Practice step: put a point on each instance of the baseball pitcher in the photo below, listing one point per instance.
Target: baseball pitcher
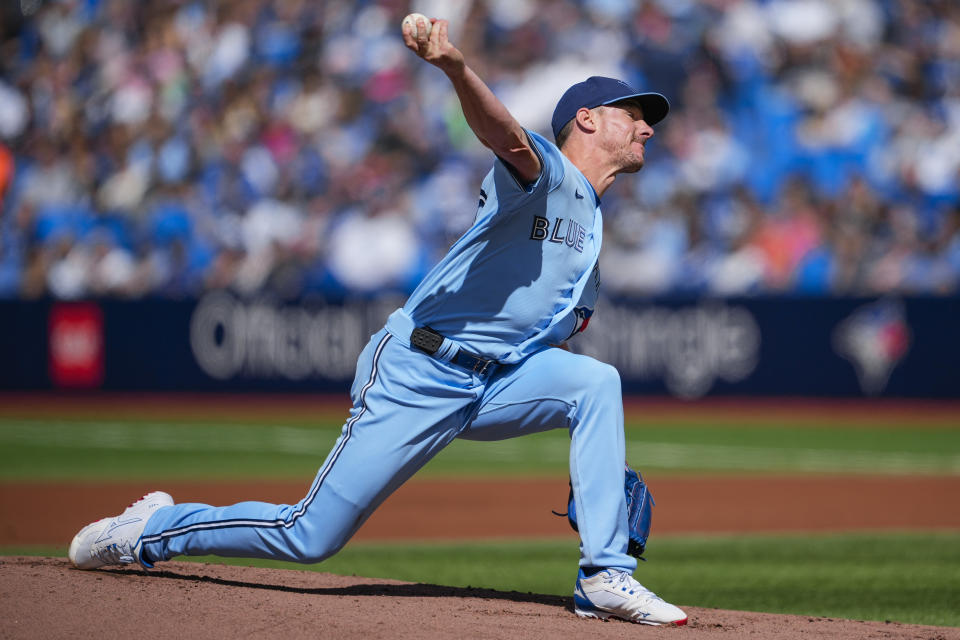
(472, 354)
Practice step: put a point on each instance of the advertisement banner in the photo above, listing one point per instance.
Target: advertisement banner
(850, 347)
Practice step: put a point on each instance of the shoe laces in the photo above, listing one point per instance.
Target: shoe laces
(114, 553)
(625, 582)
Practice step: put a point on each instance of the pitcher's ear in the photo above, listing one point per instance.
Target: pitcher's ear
(587, 119)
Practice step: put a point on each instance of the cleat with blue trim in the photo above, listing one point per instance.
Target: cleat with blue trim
(116, 540)
(613, 593)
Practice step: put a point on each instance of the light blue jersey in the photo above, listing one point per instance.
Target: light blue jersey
(524, 275)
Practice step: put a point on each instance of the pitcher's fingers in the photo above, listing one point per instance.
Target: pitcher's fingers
(423, 32)
(438, 35)
(409, 39)
(442, 36)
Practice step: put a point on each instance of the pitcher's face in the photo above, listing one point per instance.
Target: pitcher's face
(624, 135)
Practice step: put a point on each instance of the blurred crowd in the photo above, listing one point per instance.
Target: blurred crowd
(296, 148)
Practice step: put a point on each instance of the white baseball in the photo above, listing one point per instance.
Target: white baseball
(411, 19)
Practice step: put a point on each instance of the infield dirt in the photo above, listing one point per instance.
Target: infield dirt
(45, 598)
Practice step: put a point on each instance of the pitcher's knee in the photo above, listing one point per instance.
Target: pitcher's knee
(601, 378)
(324, 526)
(311, 549)
(314, 555)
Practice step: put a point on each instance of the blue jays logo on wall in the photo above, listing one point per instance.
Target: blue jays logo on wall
(874, 338)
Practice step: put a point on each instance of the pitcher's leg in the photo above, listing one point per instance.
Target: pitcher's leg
(386, 440)
(250, 530)
(557, 389)
(311, 530)
(597, 454)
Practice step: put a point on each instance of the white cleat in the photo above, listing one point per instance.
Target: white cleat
(116, 540)
(610, 592)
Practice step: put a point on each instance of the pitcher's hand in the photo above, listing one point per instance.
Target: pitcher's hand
(435, 48)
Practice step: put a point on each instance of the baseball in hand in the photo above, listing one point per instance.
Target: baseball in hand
(411, 19)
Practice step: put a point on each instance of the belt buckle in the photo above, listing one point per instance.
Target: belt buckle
(483, 365)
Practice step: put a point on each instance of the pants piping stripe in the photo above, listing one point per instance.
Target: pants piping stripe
(273, 524)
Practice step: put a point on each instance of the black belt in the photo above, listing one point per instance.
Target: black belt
(429, 341)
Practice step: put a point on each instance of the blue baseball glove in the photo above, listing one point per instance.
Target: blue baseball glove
(639, 512)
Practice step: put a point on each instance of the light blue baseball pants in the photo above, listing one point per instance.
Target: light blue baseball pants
(407, 406)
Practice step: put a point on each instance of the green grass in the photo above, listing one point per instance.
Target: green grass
(43, 449)
(913, 578)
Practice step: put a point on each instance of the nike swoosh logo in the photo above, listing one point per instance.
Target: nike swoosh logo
(108, 532)
(577, 193)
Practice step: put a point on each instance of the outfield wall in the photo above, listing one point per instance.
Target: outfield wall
(904, 347)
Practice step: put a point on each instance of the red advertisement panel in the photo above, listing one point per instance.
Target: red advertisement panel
(76, 345)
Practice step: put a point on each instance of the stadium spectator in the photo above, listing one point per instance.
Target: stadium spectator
(170, 147)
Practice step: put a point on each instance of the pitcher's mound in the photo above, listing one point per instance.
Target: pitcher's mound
(47, 598)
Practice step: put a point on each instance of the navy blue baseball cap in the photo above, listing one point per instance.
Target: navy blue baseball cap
(596, 91)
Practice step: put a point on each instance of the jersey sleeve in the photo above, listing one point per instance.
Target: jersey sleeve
(512, 192)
